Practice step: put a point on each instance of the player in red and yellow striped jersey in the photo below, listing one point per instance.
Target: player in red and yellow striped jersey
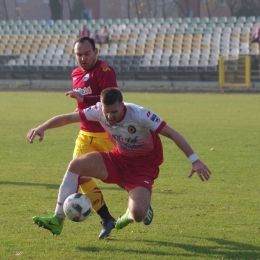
(88, 80)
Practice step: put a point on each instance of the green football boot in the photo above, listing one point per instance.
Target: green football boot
(149, 218)
(124, 221)
(52, 223)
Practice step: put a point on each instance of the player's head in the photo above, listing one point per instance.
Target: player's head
(85, 52)
(112, 105)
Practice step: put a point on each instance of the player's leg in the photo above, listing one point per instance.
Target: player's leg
(90, 188)
(138, 208)
(91, 165)
(86, 143)
(54, 223)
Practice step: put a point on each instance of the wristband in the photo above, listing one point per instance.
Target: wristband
(193, 158)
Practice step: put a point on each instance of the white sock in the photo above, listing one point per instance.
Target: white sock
(69, 185)
(130, 216)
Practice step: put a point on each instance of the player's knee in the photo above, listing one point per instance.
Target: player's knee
(76, 166)
(84, 179)
(138, 214)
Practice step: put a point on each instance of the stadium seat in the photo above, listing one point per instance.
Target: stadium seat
(168, 20)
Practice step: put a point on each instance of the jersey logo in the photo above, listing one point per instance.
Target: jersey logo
(86, 77)
(85, 91)
(131, 129)
(105, 68)
(74, 78)
(155, 118)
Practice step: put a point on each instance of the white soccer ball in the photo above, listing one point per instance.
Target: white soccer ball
(77, 207)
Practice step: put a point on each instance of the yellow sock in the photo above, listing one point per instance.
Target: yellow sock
(95, 195)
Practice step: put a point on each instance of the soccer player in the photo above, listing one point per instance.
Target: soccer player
(89, 79)
(134, 161)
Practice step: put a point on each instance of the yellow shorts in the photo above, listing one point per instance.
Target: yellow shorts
(88, 142)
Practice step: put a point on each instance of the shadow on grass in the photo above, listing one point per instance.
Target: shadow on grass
(224, 249)
(52, 186)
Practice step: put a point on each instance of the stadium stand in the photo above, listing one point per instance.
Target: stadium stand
(144, 46)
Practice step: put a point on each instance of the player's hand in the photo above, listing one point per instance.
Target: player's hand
(202, 170)
(75, 94)
(33, 133)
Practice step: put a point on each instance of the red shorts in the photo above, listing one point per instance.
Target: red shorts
(129, 175)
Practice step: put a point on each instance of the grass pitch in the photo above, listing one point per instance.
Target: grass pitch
(218, 219)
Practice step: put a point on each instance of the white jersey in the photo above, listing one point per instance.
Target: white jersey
(136, 135)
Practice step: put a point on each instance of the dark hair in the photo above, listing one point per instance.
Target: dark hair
(83, 39)
(109, 96)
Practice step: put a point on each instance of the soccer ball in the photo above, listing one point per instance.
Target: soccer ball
(77, 207)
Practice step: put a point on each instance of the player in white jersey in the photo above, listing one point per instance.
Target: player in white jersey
(135, 160)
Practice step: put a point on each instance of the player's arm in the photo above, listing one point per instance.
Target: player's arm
(57, 121)
(91, 100)
(197, 165)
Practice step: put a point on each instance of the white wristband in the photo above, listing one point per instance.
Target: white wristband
(193, 158)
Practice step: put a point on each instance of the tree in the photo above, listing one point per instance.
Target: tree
(77, 9)
(233, 6)
(151, 8)
(3, 10)
(248, 8)
(56, 9)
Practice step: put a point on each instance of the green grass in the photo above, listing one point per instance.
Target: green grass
(218, 219)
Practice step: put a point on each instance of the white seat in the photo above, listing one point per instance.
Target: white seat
(131, 26)
(48, 56)
(164, 63)
(58, 52)
(37, 62)
(185, 56)
(175, 56)
(171, 30)
(183, 63)
(126, 31)
(145, 63)
(139, 25)
(148, 25)
(155, 63)
(244, 51)
(11, 62)
(135, 31)
(226, 30)
(236, 30)
(174, 63)
(61, 46)
(151, 36)
(121, 27)
(121, 46)
(103, 52)
(203, 63)
(234, 52)
(46, 62)
(244, 45)
(112, 52)
(245, 30)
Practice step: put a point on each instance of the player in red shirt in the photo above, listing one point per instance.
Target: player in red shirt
(89, 79)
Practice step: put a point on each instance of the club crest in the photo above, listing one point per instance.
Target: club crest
(131, 129)
(86, 77)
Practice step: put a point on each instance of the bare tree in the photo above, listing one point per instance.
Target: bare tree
(56, 9)
(208, 9)
(182, 6)
(154, 8)
(3, 10)
(233, 6)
